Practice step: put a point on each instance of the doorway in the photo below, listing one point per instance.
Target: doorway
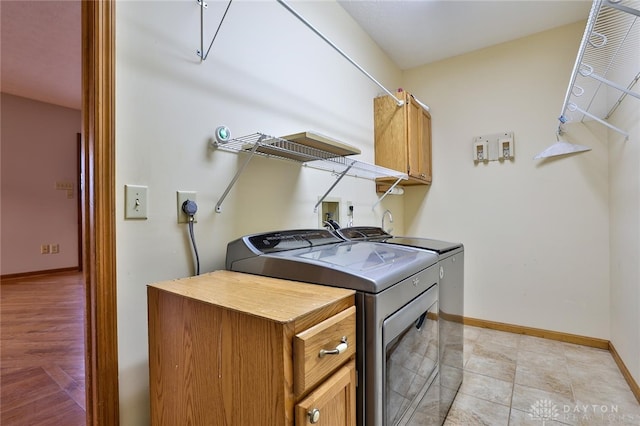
(98, 203)
(98, 192)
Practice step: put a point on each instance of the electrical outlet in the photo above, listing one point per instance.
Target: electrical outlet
(182, 197)
(44, 249)
(64, 186)
(54, 248)
(349, 213)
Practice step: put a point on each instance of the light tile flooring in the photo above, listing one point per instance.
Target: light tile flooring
(513, 380)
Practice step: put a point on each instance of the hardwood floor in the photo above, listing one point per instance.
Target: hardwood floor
(42, 379)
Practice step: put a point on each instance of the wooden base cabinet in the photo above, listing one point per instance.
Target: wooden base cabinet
(235, 349)
(402, 136)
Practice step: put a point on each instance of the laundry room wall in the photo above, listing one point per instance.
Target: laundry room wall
(535, 232)
(266, 72)
(624, 199)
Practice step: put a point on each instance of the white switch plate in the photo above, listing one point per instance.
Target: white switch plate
(182, 197)
(135, 204)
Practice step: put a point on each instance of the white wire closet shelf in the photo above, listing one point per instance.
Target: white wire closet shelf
(608, 57)
(275, 147)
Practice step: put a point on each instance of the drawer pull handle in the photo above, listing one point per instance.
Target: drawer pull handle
(314, 416)
(338, 350)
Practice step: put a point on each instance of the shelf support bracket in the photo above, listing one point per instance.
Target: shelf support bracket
(203, 5)
(621, 98)
(387, 192)
(587, 71)
(573, 107)
(340, 176)
(237, 175)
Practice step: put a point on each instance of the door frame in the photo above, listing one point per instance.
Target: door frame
(79, 184)
(98, 222)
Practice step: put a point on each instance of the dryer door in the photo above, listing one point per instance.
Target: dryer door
(410, 339)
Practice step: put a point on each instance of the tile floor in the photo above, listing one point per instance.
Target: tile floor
(514, 380)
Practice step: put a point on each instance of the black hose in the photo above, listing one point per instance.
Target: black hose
(195, 248)
(190, 208)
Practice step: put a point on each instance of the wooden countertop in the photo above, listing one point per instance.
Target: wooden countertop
(275, 299)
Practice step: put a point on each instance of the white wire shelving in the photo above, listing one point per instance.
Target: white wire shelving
(609, 56)
(274, 147)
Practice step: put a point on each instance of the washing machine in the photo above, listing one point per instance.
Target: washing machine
(450, 302)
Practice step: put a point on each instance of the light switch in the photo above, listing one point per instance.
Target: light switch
(135, 205)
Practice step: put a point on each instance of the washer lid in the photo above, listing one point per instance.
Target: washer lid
(372, 233)
(362, 265)
(358, 265)
(438, 246)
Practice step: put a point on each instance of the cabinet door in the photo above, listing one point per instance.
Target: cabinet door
(419, 141)
(333, 403)
(390, 134)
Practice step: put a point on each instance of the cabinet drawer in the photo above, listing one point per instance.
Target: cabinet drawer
(309, 364)
(332, 403)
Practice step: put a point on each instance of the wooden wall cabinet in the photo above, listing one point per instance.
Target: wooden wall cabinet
(402, 136)
(228, 348)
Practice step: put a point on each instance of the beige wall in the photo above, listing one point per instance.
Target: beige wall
(535, 233)
(266, 72)
(624, 200)
(39, 148)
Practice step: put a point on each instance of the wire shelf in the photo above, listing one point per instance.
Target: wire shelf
(608, 57)
(275, 147)
(279, 148)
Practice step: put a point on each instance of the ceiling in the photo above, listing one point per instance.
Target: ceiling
(415, 32)
(41, 50)
(41, 40)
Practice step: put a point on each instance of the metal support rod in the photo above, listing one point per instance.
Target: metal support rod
(574, 107)
(340, 51)
(590, 73)
(203, 6)
(622, 7)
(237, 175)
(595, 8)
(387, 192)
(315, 208)
(621, 98)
